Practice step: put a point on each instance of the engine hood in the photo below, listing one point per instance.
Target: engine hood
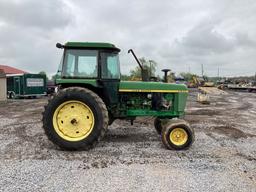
(160, 87)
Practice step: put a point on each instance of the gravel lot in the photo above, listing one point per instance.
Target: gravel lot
(132, 158)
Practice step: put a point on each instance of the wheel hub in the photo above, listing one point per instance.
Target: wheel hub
(178, 136)
(73, 120)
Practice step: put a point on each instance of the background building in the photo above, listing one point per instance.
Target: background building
(11, 70)
(3, 87)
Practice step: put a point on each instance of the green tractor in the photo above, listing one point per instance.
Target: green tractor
(91, 96)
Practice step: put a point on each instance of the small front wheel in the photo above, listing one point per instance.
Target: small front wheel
(177, 134)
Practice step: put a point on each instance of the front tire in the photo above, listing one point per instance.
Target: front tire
(177, 134)
(75, 118)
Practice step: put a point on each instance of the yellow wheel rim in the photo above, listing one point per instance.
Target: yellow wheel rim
(178, 136)
(73, 120)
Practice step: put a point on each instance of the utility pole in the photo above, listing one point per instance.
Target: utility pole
(202, 66)
(218, 73)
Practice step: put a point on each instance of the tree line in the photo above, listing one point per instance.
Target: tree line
(151, 66)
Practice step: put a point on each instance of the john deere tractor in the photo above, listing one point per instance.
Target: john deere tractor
(91, 96)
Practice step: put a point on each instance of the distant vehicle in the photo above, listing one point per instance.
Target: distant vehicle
(26, 85)
(180, 80)
(223, 83)
(253, 83)
(51, 87)
(201, 82)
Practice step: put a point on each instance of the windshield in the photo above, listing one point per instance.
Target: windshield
(80, 63)
(110, 66)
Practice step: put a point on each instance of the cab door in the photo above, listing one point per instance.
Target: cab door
(110, 76)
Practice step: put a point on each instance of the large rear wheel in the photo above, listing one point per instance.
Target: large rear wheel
(76, 118)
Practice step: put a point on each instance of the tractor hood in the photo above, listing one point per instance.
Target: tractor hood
(159, 87)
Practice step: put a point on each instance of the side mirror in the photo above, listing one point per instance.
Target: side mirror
(60, 46)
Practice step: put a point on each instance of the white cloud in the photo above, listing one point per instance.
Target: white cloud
(177, 34)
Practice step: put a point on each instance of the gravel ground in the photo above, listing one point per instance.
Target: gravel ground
(132, 158)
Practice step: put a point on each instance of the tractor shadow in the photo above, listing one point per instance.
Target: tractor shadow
(131, 134)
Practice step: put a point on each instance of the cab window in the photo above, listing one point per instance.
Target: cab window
(110, 66)
(81, 63)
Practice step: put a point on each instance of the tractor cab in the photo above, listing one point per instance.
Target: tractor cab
(90, 61)
(96, 63)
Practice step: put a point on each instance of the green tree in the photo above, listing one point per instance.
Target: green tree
(125, 77)
(150, 65)
(56, 76)
(135, 73)
(188, 76)
(171, 77)
(43, 73)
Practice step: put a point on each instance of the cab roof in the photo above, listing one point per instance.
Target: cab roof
(91, 45)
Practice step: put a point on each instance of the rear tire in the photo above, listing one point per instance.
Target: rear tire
(60, 107)
(177, 134)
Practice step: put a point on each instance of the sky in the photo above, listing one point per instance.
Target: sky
(181, 35)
